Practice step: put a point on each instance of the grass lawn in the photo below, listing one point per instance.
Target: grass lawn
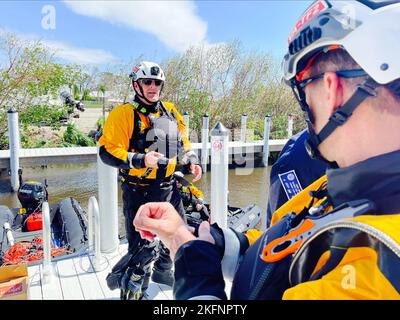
(93, 105)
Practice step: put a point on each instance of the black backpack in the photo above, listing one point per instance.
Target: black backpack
(133, 262)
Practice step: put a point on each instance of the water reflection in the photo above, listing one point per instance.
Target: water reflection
(80, 182)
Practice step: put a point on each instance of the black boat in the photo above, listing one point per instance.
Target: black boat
(21, 228)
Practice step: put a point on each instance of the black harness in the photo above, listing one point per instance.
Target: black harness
(160, 142)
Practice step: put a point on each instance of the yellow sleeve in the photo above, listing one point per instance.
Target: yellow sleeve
(252, 235)
(117, 132)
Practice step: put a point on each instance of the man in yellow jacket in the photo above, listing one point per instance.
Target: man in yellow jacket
(340, 237)
(143, 139)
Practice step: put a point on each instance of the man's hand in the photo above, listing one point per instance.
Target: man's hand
(195, 169)
(162, 220)
(151, 159)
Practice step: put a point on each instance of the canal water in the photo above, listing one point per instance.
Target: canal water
(79, 181)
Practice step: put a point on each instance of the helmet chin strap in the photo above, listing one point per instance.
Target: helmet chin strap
(142, 96)
(338, 118)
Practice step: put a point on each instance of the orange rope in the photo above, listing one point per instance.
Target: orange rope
(28, 251)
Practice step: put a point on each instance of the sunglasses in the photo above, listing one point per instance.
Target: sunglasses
(148, 82)
(298, 88)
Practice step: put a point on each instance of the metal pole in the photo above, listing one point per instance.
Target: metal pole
(14, 141)
(108, 204)
(47, 267)
(267, 128)
(204, 141)
(186, 119)
(8, 231)
(94, 231)
(290, 125)
(243, 128)
(219, 175)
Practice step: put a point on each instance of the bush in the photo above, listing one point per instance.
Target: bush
(74, 137)
(100, 123)
(89, 98)
(42, 115)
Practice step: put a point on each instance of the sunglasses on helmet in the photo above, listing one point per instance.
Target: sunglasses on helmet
(148, 82)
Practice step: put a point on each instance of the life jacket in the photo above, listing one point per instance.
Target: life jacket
(162, 135)
(311, 241)
(355, 258)
(262, 276)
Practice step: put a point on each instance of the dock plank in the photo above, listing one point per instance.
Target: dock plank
(35, 285)
(107, 262)
(76, 280)
(91, 287)
(51, 290)
(70, 285)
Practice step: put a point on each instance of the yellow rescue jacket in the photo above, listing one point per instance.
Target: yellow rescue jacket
(118, 130)
(352, 258)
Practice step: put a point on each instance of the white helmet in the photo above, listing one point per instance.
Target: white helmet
(368, 30)
(147, 70)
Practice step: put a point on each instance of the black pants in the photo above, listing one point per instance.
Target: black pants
(132, 200)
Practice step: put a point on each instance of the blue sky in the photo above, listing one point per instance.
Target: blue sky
(104, 33)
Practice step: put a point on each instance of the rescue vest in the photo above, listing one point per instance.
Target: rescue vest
(312, 242)
(121, 136)
(354, 258)
(161, 135)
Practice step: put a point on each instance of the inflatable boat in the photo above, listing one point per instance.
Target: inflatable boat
(21, 228)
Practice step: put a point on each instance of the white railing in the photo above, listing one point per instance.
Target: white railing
(94, 232)
(47, 267)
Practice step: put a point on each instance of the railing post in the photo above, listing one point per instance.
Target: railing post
(8, 231)
(108, 205)
(290, 126)
(243, 128)
(267, 128)
(94, 231)
(219, 175)
(204, 141)
(186, 119)
(14, 142)
(47, 267)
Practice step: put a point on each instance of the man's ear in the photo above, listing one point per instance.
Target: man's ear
(333, 87)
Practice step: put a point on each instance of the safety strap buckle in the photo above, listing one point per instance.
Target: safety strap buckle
(369, 88)
(339, 117)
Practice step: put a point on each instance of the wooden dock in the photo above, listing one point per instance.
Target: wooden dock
(75, 279)
(47, 156)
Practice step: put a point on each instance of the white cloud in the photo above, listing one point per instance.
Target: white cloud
(79, 55)
(68, 52)
(174, 23)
